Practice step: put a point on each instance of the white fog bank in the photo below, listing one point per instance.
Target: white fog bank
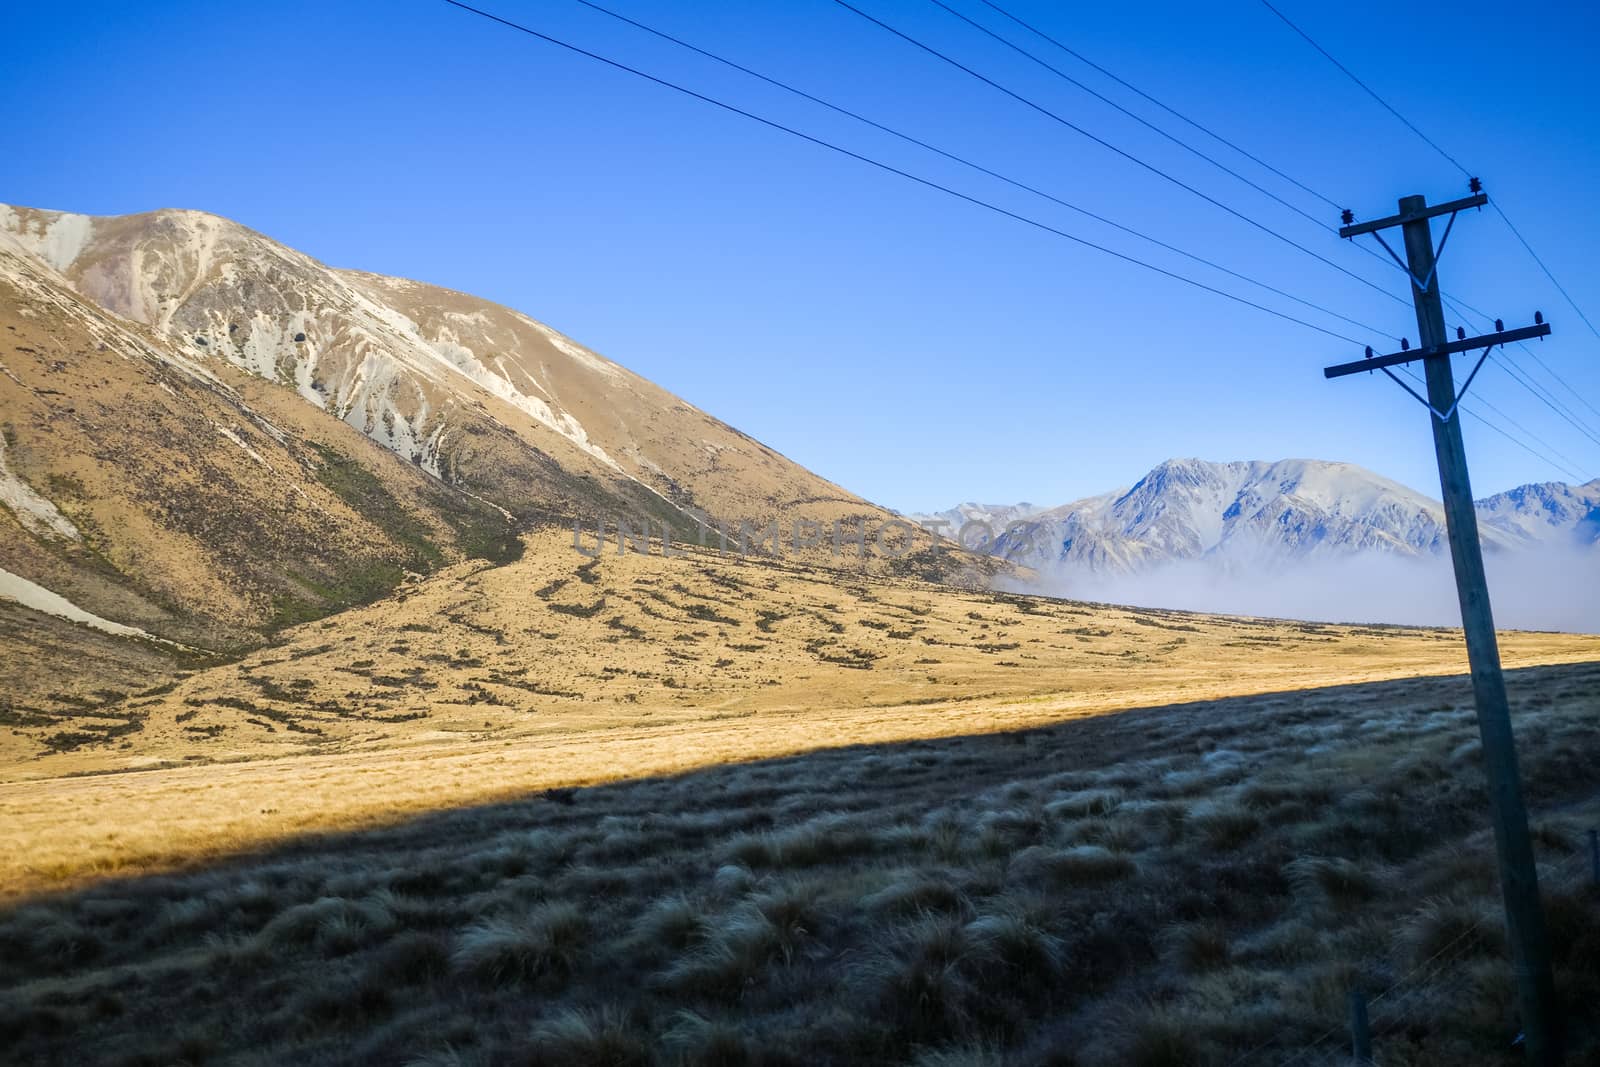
(1535, 590)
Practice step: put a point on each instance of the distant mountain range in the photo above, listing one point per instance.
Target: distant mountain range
(1261, 513)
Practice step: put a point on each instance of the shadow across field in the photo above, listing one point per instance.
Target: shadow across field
(1170, 885)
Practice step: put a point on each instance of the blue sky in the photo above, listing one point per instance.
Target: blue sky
(916, 349)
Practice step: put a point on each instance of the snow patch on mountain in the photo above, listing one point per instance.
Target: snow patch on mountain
(598, 364)
(54, 240)
(234, 436)
(36, 514)
(32, 595)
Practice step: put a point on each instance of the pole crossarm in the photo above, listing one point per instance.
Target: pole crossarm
(1451, 208)
(1395, 359)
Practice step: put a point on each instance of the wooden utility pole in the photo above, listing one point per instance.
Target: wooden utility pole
(1519, 879)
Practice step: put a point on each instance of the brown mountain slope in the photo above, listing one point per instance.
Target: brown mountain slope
(478, 394)
(181, 497)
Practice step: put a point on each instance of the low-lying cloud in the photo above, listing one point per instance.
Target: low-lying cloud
(1544, 589)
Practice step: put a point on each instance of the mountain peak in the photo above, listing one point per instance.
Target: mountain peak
(1191, 508)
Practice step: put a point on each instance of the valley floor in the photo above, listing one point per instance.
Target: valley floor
(701, 810)
(1197, 883)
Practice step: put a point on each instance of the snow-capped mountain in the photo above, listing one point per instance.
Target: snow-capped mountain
(995, 516)
(1546, 513)
(1249, 513)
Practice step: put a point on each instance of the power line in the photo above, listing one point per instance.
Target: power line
(1119, 151)
(1547, 401)
(1480, 399)
(1534, 356)
(1048, 196)
(1325, 199)
(925, 182)
(1559, 287)
(1058, 72)
(1503, 433)
(1368, 89)
(1015, 183)
(1208, 131)
(1173, 111)
(1388, 263)
(928, 184)
(1543, 394)
(1454, 162)
(1217, 136)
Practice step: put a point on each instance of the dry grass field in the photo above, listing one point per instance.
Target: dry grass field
(705, 810)
(1194, 884)
(554, 644)
(486, 683)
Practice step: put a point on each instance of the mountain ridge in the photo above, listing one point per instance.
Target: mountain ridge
(1264, 511)
(461, 387)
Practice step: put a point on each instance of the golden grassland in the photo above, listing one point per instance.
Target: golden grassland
(488, 683)
(1201, 883)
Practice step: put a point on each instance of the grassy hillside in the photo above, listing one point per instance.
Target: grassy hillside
(1200, 883)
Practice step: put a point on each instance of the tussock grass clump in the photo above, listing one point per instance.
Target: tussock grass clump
(1084, 802)
(413, 957)
(918, 987)
(946, 835)
(707, 1042)
(980, 1054)
(671, 923)
(340, 1002)
(332, 924)
(1332, 881)
(1196, 947)
(771, 928)
(1285, 944)
(606, 880)
(581, 1037)
(726, 965)
(794, 911)
(1262, 796)
(1001, 833)
(918, 892)
(549, 942)
(1165, 1036)
(826, 840)
(1224, 825)
(44, 939)
(731, 879)
(1015, 950)
(1441, 926)
(1085, 865)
